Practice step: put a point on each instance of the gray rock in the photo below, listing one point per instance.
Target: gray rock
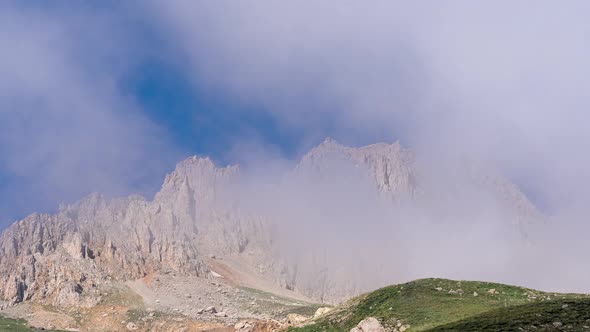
(131, 326)
(369, 324)
(61, 259)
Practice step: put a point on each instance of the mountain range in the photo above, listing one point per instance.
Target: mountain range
(315, 229)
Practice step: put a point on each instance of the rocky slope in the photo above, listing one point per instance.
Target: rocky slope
(63, 259)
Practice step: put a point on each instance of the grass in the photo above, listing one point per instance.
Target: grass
(16, 325)
(9, 324)
(432, 303)
(571, 315)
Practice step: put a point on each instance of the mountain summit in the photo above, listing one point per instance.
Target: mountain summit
(66, 258)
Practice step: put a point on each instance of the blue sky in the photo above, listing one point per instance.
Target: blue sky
(182, 116)
(108, 97)
(201, 122)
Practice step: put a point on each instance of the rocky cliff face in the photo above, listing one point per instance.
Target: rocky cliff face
(396, 175)
(63, 259)
(389, 167)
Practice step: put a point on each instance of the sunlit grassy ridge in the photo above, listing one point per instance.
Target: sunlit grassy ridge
(428, 303)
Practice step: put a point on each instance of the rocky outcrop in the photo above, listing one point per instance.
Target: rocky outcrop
(397, 175)
(63, 259)
(296, 319)
(390, 167)
(321, 311)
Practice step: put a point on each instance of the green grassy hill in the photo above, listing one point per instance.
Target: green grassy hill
(554, 315)
(8, 324)
(447, 305)
(16, 325)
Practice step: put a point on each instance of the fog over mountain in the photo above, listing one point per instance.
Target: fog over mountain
(341, 222)
(488, 178)
(503, 81)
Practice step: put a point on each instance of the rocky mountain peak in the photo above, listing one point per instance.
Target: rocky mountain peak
(199, 174)
(62, 259)
(390, 166)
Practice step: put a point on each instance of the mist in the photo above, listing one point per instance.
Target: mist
(66, 127)
(336, 230)
(501, 82)
(501, 85)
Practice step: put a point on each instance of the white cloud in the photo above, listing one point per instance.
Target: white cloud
(502, 82)
(65, 128)
(505, 81)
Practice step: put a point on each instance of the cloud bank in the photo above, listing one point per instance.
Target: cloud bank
(504, 82)
(66, 128)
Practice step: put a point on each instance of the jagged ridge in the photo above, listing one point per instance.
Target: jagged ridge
(63, 259)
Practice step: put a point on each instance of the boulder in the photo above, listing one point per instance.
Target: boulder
(369, 324)
(295, 319)
(245, 326)
(321, 311)
(131, 326)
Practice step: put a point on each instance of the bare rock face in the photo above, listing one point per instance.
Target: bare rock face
(389, 166)
(63, 259)
(396, 175)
